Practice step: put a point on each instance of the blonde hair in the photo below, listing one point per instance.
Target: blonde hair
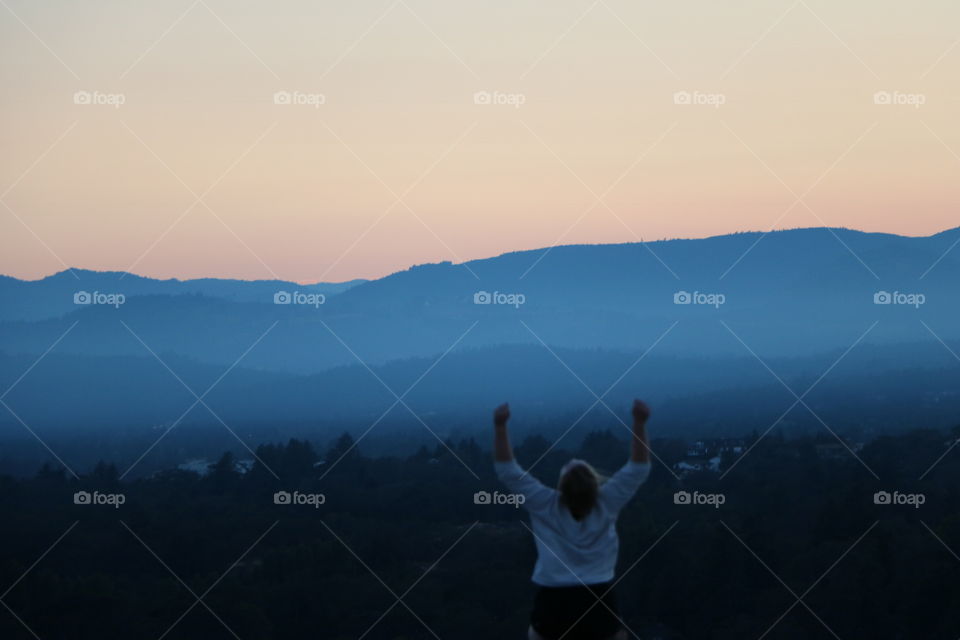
(579, 487)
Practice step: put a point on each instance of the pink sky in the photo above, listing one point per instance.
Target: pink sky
(606, 122)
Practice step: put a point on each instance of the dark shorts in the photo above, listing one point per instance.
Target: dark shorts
(575, 614)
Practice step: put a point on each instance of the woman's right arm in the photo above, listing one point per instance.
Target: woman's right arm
(536, 496)
(502, 451)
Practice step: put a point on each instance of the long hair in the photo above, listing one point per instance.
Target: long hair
(579, 488)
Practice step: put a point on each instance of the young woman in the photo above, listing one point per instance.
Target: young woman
(574, 527)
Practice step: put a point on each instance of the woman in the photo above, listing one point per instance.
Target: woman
(574, 527)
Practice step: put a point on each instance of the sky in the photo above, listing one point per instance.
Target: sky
(313, 141)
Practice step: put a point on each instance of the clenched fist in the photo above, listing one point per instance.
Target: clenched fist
(501, 414)
(641, 412)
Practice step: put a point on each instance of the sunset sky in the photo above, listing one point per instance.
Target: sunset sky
(803, 113)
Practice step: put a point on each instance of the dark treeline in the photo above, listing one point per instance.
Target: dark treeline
(800, 510)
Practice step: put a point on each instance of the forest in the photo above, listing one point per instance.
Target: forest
(810, 540)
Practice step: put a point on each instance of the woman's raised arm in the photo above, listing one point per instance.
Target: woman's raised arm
(502, 451)
(640, 447)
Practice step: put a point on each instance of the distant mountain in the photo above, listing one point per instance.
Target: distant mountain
(54, 295)
(786, 293)
(95, 404)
